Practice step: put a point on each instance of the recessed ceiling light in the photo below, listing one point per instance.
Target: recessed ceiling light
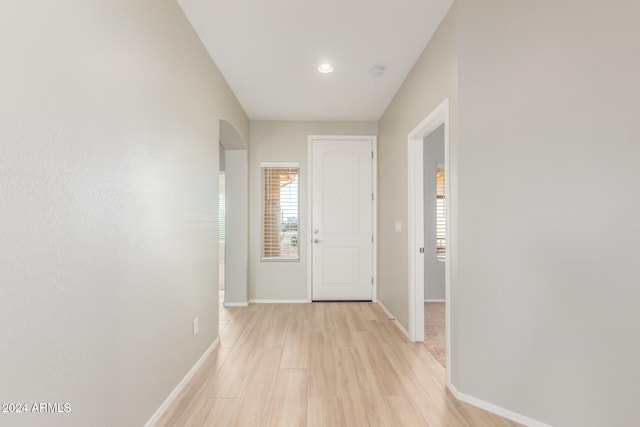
(325, 68)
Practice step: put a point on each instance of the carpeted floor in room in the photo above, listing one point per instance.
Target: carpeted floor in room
(434, 330)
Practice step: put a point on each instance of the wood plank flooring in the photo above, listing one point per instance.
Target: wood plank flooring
(320, 364)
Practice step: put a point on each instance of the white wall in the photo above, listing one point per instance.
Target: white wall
(221, 159)
(274, 141)
(434, 277)
(108, 195)
(549, 143)
(432, 80)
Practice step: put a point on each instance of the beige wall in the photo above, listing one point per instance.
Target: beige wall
(544, 170)
(549, 144)
(108, 186)
(432, 80)
(274, 141)
(237, 227)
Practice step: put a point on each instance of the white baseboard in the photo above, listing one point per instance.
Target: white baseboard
(169, 400)
(392, 317)
(494, 409)
(236, 304)
(434, 300)
(278, 301)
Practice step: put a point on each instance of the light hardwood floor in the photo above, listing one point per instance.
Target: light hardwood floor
(321, 364)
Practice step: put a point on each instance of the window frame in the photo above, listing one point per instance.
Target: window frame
(295, 168)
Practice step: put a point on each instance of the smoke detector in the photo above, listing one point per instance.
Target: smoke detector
(377, 70)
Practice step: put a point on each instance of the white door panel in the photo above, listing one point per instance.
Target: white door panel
(342, 219)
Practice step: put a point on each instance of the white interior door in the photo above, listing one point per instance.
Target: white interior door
(342, 223)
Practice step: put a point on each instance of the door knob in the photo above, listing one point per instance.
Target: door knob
(318, 241)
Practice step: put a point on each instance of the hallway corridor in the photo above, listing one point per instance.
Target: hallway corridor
(320, 364)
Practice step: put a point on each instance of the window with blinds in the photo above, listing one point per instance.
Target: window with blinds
(280, 228)
(441, 225)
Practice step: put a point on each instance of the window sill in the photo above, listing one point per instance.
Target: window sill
(280, 259)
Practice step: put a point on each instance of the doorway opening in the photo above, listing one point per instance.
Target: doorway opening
(232, 241)
(429, 231)
(434, 220)
(221, 237)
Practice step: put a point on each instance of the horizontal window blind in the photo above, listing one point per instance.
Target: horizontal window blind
(441, 225)
(280, 212)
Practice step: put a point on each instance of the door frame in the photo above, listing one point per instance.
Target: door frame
(374, 206)
(415, 227)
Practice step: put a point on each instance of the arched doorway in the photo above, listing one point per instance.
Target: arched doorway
(233, 219)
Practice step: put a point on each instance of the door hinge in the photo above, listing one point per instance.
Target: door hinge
(421, 250)
(371, 238)
(372, 281)
(372, 197)
(372, 154)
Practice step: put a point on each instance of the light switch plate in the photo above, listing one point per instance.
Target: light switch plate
(398, 226)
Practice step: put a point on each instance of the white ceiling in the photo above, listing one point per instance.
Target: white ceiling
(268, 51)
